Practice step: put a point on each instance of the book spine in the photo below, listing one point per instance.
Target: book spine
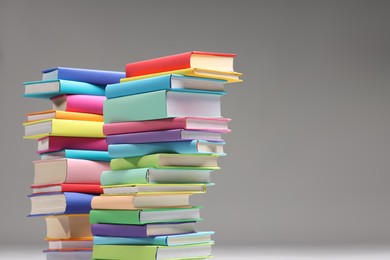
(145, 137)
(133, 176)
(83, 188)
(78, 116)
(167, 63)
(144, 126)
(85, 104)
(77, 203)
(85, 171)
(88, 155)
(97, 216)
(57, 143)
(132, 252)
(119, 230)
(99, 77)
(146, 106)
(138, 86)
(133, 150)
(149, 161)
(77, 128)
(76, 87)
(114, 240)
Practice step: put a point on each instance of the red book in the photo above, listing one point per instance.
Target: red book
(67, 187)
(56, 143)
(192, 59)
(188, 123)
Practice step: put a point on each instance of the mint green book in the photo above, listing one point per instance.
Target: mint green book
(151, 252)
(167, 160)
(144, 216)
(152, 175)
(161, 104)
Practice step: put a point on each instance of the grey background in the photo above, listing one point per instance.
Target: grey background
(308, 159)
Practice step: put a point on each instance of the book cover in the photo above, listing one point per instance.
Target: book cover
(79, 103)
(60, 203)
(62, 127)
(163, 136)
(144, 216)
(197, 161)
(66, 228)
(58, 114)
(156, 189)
(165, 82)
(57, 143)
(151, 175)
(67, 187)
(192, 59)
(168, 240)
(77, 154)
(100, 77)
(161, 104)
(183, 147)
(188, 123)
(48, 89)
(145, 230)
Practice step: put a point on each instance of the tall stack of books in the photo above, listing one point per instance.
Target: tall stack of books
(73, 153)
(164, 129)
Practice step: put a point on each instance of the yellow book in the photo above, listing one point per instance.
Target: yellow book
(58, 114)
(229, 76)
(62, 127)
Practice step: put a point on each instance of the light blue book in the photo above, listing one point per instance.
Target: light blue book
(46, 89)
(165, 82)
(183, 147)
(77, 154)
(170, 240)
(151, 175)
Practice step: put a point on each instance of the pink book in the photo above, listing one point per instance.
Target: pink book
(188, 123)
(79, 103)
(68, 171)
(56, 143)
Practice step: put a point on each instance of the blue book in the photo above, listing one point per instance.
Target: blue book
(58, 203)
(46, 89)
(169, 240)
(183, 147)
(77, 154)
(166, 82)
(99, 77)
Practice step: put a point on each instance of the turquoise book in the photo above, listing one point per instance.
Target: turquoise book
(47, 89)
(182, 147)
(162, 104)
(77, 154)
(168, 240)
(165, 82)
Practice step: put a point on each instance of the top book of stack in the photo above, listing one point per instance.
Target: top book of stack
(194, 63)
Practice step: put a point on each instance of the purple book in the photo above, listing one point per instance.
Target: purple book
(147, 230)
(163, 136)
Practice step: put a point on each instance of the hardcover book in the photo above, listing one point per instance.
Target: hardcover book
(165, 82)
(77, 154)
(161, 104)
(60, 203)
(79, 103)
(65, 227)
(165, 160)
(100, 77)
(66, 255)
(62, 127)
(48, 89)
(68, 171)
(58, 114)
(146, 230)
(168, 240)
(182, 147)
(57, 143)
(150, 189)
(163, 136)
(141, 201)
(154, 176)
(187, 123)
(144, 216)
(70, 244)
(67, 187)
(192, 59)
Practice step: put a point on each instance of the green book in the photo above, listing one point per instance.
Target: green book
(161, 160)
(144, 216)
(161, 104)
(150, 252)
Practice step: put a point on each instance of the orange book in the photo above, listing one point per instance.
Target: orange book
(63, 115)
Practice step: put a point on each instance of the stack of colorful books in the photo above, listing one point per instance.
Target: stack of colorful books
(164, 129)
(73, 154)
